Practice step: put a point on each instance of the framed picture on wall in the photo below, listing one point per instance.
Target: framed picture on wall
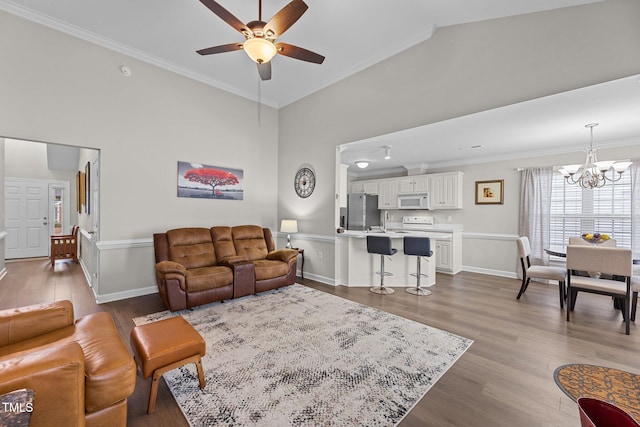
(87, 188)
(200, 181)
(78, 204)
(490, 192)
(83, 190)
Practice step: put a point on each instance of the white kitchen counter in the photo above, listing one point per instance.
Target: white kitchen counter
(398, 234)
(356, 267)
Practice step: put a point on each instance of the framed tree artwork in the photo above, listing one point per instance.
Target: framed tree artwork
(490, 192)
(196, 180)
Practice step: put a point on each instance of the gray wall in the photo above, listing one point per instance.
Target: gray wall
(461, 70)
(64, 90)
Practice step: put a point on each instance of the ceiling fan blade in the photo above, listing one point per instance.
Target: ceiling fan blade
(264, 70)
(285, 18)
(225, 15)
(220, 49)
(296, 52)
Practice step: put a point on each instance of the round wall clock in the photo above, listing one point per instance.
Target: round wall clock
(304, 182)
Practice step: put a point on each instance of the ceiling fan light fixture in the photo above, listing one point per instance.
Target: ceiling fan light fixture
(259, 50)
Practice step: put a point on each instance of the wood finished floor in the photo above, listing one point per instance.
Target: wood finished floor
(504, 379)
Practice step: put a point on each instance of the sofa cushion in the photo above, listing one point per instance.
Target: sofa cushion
(200, 279)
(223, 242)
(249, 242)
(269, 269)
(191, 247)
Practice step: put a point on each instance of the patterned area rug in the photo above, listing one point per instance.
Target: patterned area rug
(301, 357)
(617, 387)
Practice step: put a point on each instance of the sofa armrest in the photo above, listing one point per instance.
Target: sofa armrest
(18, 324)
(232, 260)
(166, 267)
(56, 375)
(285, 255)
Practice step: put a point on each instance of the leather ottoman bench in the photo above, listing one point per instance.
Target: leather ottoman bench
(165, 345)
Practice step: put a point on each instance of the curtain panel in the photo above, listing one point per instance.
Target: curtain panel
(535, 211)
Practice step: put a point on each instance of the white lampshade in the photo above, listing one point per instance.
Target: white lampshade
(620, 167)
(259, 50)
(289, 226)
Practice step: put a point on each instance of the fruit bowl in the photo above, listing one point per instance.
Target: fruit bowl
(595, 237)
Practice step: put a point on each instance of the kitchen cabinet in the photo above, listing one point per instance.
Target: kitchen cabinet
(388, 194)
(445, 190)
(443, 255)
(369, 187)
(449, 253)
(414, 184)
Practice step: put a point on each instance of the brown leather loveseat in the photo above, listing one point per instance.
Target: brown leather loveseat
(196, 266)
(81, 371)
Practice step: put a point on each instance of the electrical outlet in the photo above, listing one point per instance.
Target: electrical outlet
(449, 218)
(320, 255)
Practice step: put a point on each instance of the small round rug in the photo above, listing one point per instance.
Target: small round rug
(611, 385)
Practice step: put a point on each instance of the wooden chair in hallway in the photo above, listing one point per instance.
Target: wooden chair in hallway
(65, 247)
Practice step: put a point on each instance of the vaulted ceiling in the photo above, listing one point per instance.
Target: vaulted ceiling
(352, 35)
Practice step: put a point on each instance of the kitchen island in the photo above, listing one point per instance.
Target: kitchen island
(356, 267)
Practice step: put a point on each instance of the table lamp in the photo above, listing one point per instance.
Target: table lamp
(289, 226)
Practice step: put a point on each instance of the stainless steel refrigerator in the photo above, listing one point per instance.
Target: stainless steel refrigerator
(362, 211)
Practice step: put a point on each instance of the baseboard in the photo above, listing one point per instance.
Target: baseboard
(490, 272)
(318, 278)
(117, 296)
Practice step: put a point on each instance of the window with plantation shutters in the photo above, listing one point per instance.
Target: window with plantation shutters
(605, 210)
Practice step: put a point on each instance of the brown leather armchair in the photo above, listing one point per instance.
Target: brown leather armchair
(81, 371)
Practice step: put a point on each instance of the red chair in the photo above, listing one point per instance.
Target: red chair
(65, 247)
(598, 413)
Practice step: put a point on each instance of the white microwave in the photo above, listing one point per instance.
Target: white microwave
(413, 201)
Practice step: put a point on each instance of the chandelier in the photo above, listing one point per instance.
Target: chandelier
(593, 173)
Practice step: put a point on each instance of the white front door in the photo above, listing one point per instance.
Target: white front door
(26, 218)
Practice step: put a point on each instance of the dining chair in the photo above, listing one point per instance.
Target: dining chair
(635, 289)
(538, 271)
(605, 261)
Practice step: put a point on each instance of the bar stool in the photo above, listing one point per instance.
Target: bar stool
(381, 245)
(418, 246)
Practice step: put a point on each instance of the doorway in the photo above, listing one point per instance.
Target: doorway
(55, 202)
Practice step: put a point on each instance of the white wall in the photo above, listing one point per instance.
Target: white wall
(2, 229)
(64, 90)
(462, 69)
